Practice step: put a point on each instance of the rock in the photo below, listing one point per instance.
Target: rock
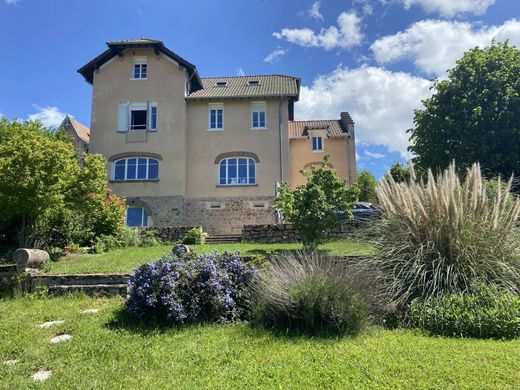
(10, 362)
(181, 249)
(42, 375)
(29, 258)
(60, 338)
(90, 311)
(48, 324)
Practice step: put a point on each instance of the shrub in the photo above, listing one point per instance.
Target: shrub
(205, 288)
(195, 236)
(436, 237)
(127, 237)
(486, 312)
(308, 293)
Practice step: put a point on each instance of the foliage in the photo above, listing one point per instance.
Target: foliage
(314, 294)
(474, 115)
(205, 288)
(435, 238)
(399, 172)
(195, 236)
(46, 194)
(126, 237)
(366, 183)
(312, 207)
(485, 312)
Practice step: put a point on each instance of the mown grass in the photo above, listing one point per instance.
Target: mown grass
(110, 353)
(125, 260)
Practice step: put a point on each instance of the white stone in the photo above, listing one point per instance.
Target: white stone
(42, 375)
(10, 362)
(60, 338)
(90, 311)
(48, 324)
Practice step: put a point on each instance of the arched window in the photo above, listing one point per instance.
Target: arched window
(237, 171)
(136, 168)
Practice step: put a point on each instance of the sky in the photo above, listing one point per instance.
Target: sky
(375, 59)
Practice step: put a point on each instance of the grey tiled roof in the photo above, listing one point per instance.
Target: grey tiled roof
(240, 87)
(299, 129)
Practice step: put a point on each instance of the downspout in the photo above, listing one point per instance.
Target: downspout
(280, 138)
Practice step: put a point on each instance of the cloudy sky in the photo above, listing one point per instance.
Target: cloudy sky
(373, 58)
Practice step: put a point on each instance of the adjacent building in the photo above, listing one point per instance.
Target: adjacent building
(186, 150)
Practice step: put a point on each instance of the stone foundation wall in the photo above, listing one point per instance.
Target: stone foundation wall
(270, 233)
(163, 210)
(228, 215)
(168, 233)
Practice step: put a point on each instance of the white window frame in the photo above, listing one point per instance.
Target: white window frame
(215, 107)
(321, 142)
(136, 169)
(144, 221)
(124, 116)
(139, 61)
(227, 172)
(258, 107)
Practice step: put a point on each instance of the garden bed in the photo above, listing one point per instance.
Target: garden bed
(107, 351)
(125, 260)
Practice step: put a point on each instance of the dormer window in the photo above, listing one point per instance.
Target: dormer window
(221, 84)
(253, 82)
(140, 69)
(317, 143)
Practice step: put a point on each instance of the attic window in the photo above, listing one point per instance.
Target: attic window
(253, 82)
(221, 84)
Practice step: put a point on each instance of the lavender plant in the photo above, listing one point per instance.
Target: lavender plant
(205, 288)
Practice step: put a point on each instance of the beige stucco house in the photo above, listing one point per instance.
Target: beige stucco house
(79, 133)
(186, 150)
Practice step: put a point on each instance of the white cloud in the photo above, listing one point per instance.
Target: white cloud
(435, 45)
(347, 34)
(366, 6)
(12, 2)
(450, 8)
(381, 102)
(374, 155)
(240, 71)
(275, 55)
(49, 116)
(314, 11)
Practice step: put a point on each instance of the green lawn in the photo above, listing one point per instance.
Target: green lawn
(107, 353)
(125, 260)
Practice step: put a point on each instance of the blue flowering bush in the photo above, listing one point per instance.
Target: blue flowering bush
(189, 289)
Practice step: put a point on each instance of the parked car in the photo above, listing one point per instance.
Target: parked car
(361, 210)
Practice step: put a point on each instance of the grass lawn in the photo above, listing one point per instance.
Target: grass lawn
(111, 354)
(125, 260)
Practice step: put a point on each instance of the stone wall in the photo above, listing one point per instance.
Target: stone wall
(228, 215)
(270, 233)
(168, 233)
(163, 210)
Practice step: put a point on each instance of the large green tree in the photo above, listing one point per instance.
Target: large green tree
(366, 183)
(312, 207)
(474, 115)
(42, 183)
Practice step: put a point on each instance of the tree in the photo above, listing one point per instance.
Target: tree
(399, 172)
(366, 183)
(42, 181)
(312, 207)
(474, 115)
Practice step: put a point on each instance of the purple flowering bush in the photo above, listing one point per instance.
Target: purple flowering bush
(189, 289)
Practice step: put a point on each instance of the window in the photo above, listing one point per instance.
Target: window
(221, 84)
(237, 171)
(136, 168)
(317, 143)
(136, 216)
(140, 69)
(137, 116)
(258, 120)
(216, 117)
(253, 82)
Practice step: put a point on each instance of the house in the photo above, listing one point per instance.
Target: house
(79, 133)
(187, 150)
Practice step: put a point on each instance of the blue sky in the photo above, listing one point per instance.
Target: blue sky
(373, 58)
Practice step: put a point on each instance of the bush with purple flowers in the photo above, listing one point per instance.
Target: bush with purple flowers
(189, 289)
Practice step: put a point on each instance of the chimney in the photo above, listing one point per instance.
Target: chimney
(348, 124)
